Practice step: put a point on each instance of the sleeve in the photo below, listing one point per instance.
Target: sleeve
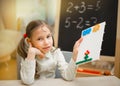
(27, 71)
(67, 70)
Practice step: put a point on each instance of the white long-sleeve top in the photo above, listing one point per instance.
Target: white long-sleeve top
(46, 67)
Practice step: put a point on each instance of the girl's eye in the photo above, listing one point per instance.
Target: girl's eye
(40, 39)
(49, 36)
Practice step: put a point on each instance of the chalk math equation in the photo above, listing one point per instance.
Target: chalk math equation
(80, 9)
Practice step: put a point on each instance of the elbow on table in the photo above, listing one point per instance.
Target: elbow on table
(69, 78)
(27, 81)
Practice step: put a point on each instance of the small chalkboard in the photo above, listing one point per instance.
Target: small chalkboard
(77, 15)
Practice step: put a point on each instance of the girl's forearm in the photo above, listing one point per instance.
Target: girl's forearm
(27, 71)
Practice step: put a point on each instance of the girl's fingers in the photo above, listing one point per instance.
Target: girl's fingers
(80, 40)
(38, 52)
(77, 44)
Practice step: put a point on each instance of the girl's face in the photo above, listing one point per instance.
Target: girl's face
(42, 39)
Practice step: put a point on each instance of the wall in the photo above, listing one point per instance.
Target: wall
(8, 13)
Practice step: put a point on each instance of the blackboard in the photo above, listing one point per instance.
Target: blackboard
(77, 15)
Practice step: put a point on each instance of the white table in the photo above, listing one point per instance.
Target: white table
(82, 81)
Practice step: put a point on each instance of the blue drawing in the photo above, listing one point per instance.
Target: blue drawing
(86, 31)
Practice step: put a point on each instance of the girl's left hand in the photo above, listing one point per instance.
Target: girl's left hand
(75, 48)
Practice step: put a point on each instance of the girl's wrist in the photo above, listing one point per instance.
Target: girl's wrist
(74, 56)
(31, 56)
(74, 59)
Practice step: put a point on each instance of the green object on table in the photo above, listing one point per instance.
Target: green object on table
(86, 60)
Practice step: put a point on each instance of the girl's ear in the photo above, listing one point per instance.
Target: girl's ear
(28, 40)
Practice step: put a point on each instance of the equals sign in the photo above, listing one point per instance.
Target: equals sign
(74, 21)
(87, 23)
(90, 7)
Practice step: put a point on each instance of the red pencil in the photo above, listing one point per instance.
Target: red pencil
(89, 71)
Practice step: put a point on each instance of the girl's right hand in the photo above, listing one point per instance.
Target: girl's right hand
(76, 48)
(32, 52)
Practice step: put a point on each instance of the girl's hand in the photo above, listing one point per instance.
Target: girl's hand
(32, 52)
(75, 48)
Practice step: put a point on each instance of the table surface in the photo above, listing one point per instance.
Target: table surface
(81, 81)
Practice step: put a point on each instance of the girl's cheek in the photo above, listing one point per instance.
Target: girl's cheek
(38, 45)
(51, 41)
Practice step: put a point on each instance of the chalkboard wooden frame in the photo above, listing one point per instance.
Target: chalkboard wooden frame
(117, 53)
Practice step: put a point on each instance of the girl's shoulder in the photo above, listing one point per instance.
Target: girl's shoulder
(57, 51)
(54, 49)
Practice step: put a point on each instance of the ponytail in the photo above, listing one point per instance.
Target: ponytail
(22, 48)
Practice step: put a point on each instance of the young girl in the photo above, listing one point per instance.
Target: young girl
(39, 58)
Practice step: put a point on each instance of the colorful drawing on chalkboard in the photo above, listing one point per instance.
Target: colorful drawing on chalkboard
(89, 49)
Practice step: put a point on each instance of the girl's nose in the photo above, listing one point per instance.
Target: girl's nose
(46, 41)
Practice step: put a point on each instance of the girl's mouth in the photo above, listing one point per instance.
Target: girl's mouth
(47, 48)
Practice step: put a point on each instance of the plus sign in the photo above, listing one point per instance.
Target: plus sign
(76, 7)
